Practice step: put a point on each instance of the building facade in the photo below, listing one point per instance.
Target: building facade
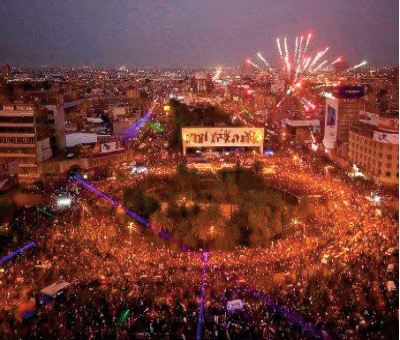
(341, 113)
(25, 139)
(375, 151)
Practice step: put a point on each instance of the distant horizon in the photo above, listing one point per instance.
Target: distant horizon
(369, 66)
(205, 33)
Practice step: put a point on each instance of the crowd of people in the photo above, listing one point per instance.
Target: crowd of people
(127, 283)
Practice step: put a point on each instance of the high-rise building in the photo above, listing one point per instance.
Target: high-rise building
(341, 113)
(374, 147)
(56, 116)
(5, 70)
(25, 134)
(201, 82)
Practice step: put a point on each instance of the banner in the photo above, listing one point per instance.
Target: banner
(300, 123)
(369, 118)
(331, 118)
(389, 124)
(222, 137)
(108, 147)
(389, 138)
(349, 91)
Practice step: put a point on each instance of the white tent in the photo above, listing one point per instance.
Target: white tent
(78, 138)
(55, 288)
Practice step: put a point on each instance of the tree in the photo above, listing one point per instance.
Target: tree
(181, 168)
(159, 219)
(257, 167)
(195, 209)
(138, 201)
(240, 223)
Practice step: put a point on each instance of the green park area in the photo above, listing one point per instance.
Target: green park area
(221, 210)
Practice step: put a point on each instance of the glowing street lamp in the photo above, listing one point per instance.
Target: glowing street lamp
(64, 202)
(376, 199)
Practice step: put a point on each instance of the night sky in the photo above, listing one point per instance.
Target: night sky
(191, 32)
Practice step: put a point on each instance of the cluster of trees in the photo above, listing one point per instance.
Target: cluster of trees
(194, 204)
(18, 224)
(204, 115)
(137, 200)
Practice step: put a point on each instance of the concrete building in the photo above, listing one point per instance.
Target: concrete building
(56, 115)
(264, 101)
(374, 148)
(25, 133)
(5, 70)
(341, 113)
(302, 131)
(201, 82)
(132, 94)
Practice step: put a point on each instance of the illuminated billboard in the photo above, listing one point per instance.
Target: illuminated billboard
(108, 147)
(331, 123)
(388, 124)
(384, 137)
(349, 91)
(369, 118)
(331, 116)
(195, 137)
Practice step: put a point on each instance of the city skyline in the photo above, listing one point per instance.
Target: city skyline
(187, 33)
(210, 169)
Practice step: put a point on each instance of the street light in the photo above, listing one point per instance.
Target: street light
(64, 202)
(376, 199)
(131, 227)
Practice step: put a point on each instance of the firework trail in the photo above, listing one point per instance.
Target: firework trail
(318, 57)
(338, 60)
(307, 43)
(286, 48)
(261, 57)
(252, 64)
(320, 66)
(279, 47)
(300, 51)
(363, 63)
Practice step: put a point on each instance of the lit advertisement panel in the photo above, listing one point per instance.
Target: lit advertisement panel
(369, 118)
(389, 138)
(349, 91)
(388, 124)
(331, 116)
(222, 137)
(108, 147)
(331, 123)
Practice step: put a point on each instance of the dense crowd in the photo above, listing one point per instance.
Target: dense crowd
(331, 272)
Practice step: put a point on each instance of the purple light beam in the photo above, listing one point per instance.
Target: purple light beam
(283, 311)
(199, 331)
(160, 232)
(8, 257)
(286, 313)
(132, 131)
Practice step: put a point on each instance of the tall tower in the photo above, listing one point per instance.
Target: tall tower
(341, 113)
